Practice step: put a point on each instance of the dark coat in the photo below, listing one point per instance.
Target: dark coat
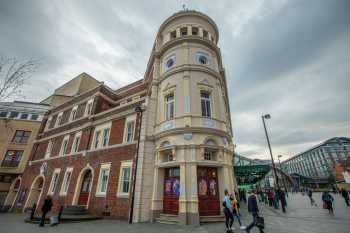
(47, 205)
(252, 204)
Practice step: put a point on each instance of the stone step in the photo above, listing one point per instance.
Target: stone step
(65, 218)
(168, 219)
(212, 219)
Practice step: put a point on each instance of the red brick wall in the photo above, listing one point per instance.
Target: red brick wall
(118, 207)
(117, 131)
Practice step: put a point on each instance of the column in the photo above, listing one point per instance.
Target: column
(193, 213)
(182, 197)
(157, 196)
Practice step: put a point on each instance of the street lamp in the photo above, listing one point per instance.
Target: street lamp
(263, 117)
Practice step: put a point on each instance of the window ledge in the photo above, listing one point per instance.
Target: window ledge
(123, 195)
(100, 194)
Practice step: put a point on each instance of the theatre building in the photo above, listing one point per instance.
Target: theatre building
(161, 146)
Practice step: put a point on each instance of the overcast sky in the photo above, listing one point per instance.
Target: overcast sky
(287, 58)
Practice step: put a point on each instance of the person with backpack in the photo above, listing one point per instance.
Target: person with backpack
(228, 212)
(235, 210)
(328, 201)
(45, 209)
(254, 210)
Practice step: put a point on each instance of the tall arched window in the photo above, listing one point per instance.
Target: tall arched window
(206, 104)
(169, 106)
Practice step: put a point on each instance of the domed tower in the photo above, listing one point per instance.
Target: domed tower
(188, 121)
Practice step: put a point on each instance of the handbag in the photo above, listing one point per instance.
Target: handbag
(260, 222)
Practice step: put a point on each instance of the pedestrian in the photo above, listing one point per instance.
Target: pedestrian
(328, 201)
(309, 194)
(45, 209)
(228, 212)
(282, 198)
(345, 195)
(270, 196)
(235, 210)
(254, 210)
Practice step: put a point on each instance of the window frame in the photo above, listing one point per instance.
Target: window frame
(89, 106)
(124, 164)
(167, 59)
(21, 137)
(64, 146)
(73, 113)
(129, 120)
(59, 119)
(206, 55)
(97, 141)
(54, 182)
(75, 148)
(207, 101)
(103, 167)
(66, 182)
(17, 163)
(168, 114)
(49, 148)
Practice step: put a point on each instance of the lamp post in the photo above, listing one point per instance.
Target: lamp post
(263, 117)
(139, 112)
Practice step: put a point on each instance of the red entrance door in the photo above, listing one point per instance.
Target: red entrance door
(208, 191)
(85, 189)
(171, 191)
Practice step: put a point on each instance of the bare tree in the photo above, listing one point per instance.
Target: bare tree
(13, 74)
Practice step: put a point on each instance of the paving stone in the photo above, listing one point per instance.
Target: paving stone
(301, 217)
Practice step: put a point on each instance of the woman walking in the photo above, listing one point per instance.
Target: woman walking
(228, 212)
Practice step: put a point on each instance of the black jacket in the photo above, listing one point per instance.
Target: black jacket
(252, 204)
(47, 205)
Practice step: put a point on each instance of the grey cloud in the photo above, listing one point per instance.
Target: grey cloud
(287, 58)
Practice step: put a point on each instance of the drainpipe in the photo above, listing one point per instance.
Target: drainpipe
(139, 111)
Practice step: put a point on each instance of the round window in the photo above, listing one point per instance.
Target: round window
(170, 62)
(203, 59)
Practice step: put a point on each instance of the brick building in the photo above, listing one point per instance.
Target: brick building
(174, 157)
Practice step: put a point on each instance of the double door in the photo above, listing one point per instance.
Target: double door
(208, 191)
(171, 191)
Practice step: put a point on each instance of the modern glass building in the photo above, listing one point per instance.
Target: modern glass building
(319, 161)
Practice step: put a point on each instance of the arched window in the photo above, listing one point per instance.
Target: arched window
(210, 142)
(202, 58)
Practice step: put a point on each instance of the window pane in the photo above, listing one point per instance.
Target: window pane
(34, 117)
(3, 114)
(105, 137)
(24, 116)
(125, 180)
(13, 114)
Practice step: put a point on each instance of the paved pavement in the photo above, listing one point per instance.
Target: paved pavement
(301, 217)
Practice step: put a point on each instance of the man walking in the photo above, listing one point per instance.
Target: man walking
(254, 210)
(345, 195)
(282, 197)
(309, 193)
(45, 209)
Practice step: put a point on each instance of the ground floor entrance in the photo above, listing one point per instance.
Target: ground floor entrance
(208, 191)
(207, 186)
(171, 191)
(85, 188)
